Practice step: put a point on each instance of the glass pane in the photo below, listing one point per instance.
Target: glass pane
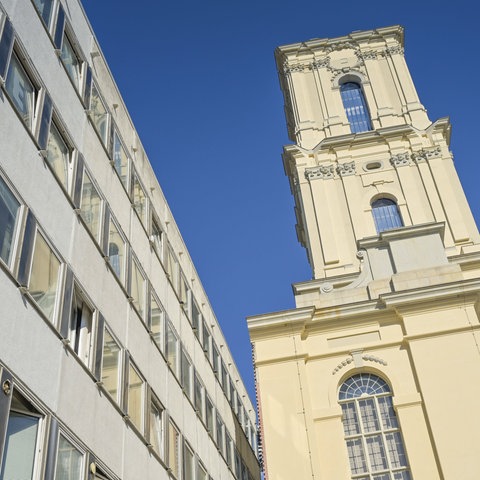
(20, 90)
(71, 61)
(387, 413)
(198, 389)
(98, 113)
(19, 453)
(350, 419)
(156, 322)
(91, 206)
(80, 327)
(209, 415)
(201, 473)
(188, 464)
(386, 215)
(111, 357)
(376, 453)
(69, 461)
(172, 349)
(120, 159)
(9, 207)
(172, 268)
(139, 200)
(116, 250)
(355, 107)
(44, 277)
(173, 449)
(356, 456)
(58, 155)
(206, 339)
(157, 238)
(186, 368)
(156, 431)
(138, 289)
(219, 433)
(135, 398)
(396, 453)
(403, 475)
(368, 414)
(44, 7)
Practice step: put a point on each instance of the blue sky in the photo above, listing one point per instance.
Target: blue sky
(200, 82)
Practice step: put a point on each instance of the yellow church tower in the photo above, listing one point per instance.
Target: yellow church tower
(375, 375)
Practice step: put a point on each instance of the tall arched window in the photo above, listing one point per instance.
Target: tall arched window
(386, 214)
(373, 437)
(355, 107)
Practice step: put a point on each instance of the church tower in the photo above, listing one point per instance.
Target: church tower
(376, 372)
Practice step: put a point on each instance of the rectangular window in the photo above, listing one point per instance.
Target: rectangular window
(98, 113)
(206, 340)
(173, 449)
(116, 250)
(59, 156)
(136, 388)
(110, 365)
(21, 443)
(156, 238)
(156, 427)
(172, 349)
(139, 199)
(44, 275)
(201, 472)
(70, 461)
(184, 294)
(138, 287)
(188, 463)
(9, 213)
(71, 61)
(186, 374)
(44, 8)
(120, 159)
(156, 322)
(216, 360)
(220, 437)
(172, 268)
(209, 414)
(21, 90)
(81, 323)
(91, 206)
(225, 382)
(233, 395)
(198, 395)
(196, 318)
(228, 449)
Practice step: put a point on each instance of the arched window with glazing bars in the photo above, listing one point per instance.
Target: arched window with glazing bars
(355, 107)
(386, 215)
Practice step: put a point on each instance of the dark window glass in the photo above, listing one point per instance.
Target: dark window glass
(9, 207)
(386, 215)
(355, 107)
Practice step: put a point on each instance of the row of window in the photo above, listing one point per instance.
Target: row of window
(68, 166)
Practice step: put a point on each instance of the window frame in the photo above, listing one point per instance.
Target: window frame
(161, 341)
(76, 445)
(132, 366)
(355, 120)
(120, 361)
(141, 310)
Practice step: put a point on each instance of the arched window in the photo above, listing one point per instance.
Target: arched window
(355, 107)
(386, 214)
(373, 437)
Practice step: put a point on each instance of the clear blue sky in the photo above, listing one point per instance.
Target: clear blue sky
(200, 82)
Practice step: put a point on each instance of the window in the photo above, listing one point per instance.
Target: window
(136, 387)
(116, 250)
(156, 322)
(58, 156)
(372, 434)
(173, 449)
(171, 265)
(138, 287)
(21, 90)
(220, 438)
(44, 8)
(70, 461)
(228, 449)
(206, 339)
(201, 472)
(91, 206)
(98, 113)
(238, 465)
(71, 60)
(172, 348)
(80, 331)
(186, 374)
(139, 199)
(386, 215)
(198, 394)
(44, 275)
(156, 238)
(209, 414)
(22, 445)
(216, 360)
(110, 365)
(188, 463)
(156, 427)
(120, 159)
(355, 107)
(233, 395)
(9, 213)
(196, 318)
(184, 295)
(225, 382)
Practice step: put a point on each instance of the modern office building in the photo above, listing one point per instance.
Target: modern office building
(376, 372)
(112, 363)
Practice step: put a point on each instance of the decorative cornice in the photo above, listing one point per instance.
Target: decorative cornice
(396, 50)
(424, 155)
(400, 160)
(370, 55)
(345, 169)
(320, 63)
(322, 171)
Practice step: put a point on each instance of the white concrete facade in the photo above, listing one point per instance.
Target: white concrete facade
(109, 349)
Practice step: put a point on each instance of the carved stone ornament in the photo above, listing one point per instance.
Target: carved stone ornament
(358, 358)
(320, 63)
(345, 362)
(345, 169)
(400, 160)
(322, 171)
(396, 50)
(423, 155)
(341, 46)
(299, 67)
(326, 288)
(370, 55)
